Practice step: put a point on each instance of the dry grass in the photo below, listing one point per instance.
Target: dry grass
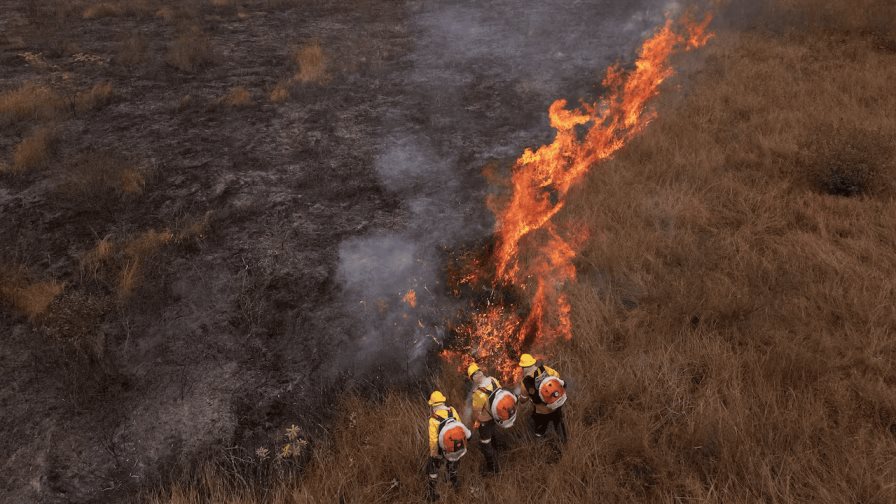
(34, 150)
(28, 102)
(733, 319)
(280, 93)
(190, 51)
(94, 98)
(102, 10)
(237, 97)
(27, 297)
(311, 63)
(99, 179)
(122, 264)
(134, 51)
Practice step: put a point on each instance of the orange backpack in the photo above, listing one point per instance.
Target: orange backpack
(501, 405)
(551, 389)
(453, 436)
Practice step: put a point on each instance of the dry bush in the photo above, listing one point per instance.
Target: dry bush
(733, 326)
(238, 96)
(30, 101)
(34, 150)
(190, 51)
(30, 298)
(96, 97)
(311, 62)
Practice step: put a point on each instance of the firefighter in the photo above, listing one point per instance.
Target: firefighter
(447, 442)
(543, 386)
(483, 387)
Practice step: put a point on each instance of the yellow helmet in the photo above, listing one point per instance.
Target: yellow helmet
(472, 369)
(437, 398)
(527, 360)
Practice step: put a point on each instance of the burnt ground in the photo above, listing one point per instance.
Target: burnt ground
(250, 323)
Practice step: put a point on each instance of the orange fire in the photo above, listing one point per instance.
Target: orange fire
(532, 254)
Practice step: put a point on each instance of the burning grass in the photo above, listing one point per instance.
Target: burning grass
(732, 323)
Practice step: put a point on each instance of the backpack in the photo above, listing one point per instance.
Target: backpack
(501, 405)
(551, 389)
(453, 437)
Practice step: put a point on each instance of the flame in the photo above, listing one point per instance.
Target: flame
(532, 255)
(410, 298)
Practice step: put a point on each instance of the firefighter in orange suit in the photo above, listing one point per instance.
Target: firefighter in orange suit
(447, 442)
(543, 386)
(483, 386)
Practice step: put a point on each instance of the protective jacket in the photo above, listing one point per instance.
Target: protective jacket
(439, 414)
(484, 388)
(529, 390)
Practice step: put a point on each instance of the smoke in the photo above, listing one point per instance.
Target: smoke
(481, 78)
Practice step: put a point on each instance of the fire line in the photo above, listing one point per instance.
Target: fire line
(532, 255)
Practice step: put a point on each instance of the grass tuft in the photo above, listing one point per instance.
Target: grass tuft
(29, 298)
(311, 63)
(237, 97)
(190, 51)
(30, 101)
(94, 98)
(34, 150)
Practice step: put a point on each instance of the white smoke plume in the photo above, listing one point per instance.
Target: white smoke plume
(482, 78)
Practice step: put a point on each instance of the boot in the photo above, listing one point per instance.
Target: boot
(452, 475)
(432, 494)
(491, 458)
